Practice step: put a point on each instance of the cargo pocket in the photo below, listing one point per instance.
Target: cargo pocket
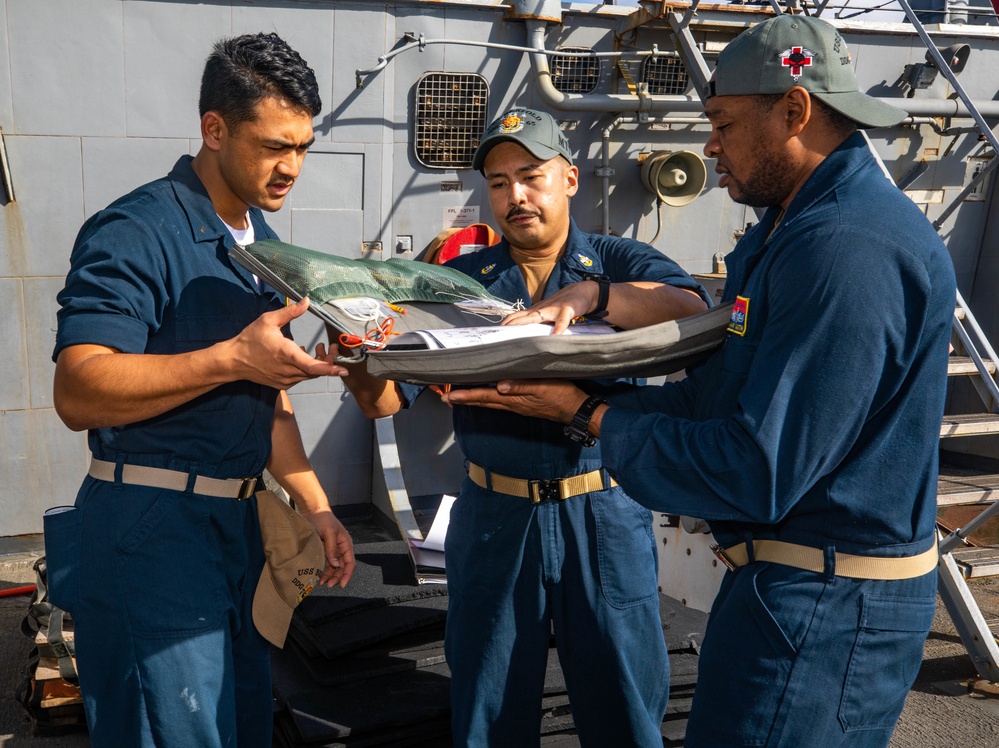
(61, 525)
(885, 660)
(171, 569)
(626, 555)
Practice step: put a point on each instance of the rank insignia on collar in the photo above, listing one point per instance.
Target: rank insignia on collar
(487, 269)
(740, 316)
(587, 262)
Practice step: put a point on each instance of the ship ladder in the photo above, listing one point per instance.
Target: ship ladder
(975, 359)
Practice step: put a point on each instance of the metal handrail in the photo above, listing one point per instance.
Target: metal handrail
(972, 348)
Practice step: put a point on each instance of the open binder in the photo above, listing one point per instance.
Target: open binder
(645, 352)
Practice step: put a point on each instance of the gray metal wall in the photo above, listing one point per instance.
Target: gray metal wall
(101, 95)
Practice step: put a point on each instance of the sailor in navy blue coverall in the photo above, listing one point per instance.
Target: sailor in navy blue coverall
(584, 566)
(815, 426)
(176, 360)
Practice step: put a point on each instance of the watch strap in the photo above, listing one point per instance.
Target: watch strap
(603, 295)
(576, 429)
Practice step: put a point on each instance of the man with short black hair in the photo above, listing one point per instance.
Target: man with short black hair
(540, 539)
(176, 361)
(809, 441)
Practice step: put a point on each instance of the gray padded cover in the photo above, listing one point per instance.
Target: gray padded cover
(645, 352)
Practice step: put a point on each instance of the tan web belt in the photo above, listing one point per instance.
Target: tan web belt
(813, 559)
(174, 480)
(556, 489)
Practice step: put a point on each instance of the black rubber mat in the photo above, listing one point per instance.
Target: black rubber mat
(435, 734)
(384, 576)
(683, 627)
(407, 700)
(363, 627)
(374, 661)
(365, 666)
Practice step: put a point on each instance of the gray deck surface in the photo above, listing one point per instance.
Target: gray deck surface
(938, 712)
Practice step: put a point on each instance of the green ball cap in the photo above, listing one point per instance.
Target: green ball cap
(788, 51)
(538, 132)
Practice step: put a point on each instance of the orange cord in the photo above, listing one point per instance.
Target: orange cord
(376, 338)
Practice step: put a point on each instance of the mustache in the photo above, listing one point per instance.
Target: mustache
(514, 212)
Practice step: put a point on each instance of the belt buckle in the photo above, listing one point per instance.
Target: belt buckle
(719, 552)
(544, 490)
(60, 650)
(247, 488)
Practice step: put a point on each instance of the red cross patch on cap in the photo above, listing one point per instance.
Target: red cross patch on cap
(796, 58)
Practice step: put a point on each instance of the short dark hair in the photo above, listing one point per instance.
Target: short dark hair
(243, 70)
(840, 123)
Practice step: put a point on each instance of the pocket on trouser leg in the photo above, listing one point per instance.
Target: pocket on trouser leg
(61, 526)
(626, 549)
(885, 659)
(743, 670)
(172, 573)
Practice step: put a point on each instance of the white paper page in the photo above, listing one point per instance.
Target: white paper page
(426, 557)
(438, 530)
(458, 337)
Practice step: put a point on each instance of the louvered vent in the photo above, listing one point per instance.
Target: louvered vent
(450, 117)
(575, 74)
(665, 76)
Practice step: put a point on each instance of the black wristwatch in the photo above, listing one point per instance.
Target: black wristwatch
(603, 294)
(576, 429)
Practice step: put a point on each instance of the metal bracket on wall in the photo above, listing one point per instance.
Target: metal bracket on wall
(8, 183)
(693, 60)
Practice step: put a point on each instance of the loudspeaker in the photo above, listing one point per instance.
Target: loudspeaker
(675, 177)
(956, 56)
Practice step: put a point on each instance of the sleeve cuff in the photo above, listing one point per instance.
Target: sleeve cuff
(117, 331)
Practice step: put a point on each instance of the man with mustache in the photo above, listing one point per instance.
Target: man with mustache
(540, 537)
(809, 441)
(176, 361)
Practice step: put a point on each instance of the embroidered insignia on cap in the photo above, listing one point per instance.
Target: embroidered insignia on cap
(587, 262)
(740, 316)
(487, 269)
(511, 123)
(307, 589)
(796, 58)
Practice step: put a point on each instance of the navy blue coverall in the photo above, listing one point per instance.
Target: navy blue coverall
(167, 650)
(816, 424)
(586, 565)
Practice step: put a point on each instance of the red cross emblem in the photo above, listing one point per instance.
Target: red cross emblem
(796, 58)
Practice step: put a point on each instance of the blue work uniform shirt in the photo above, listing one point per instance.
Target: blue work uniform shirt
(819, 419)
(535, 448)
(151, 274)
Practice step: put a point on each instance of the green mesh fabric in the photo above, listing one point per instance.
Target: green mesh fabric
(323, 277)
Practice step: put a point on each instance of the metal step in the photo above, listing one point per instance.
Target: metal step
(971, 424)
(975, 563)
(957, 487)
(958, 366)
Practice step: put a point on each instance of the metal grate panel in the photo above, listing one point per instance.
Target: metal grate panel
(575, 74)
(665, 76)
(450, 117)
